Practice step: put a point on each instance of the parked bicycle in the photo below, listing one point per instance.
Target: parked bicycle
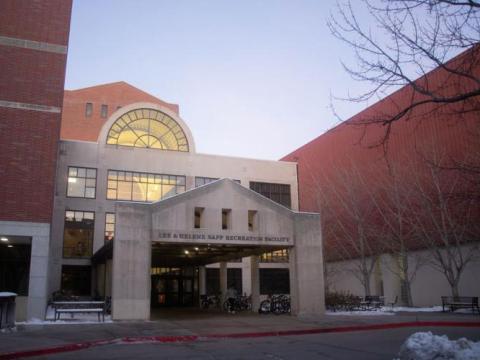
(209, 301)
(239, 303)
(276, 304)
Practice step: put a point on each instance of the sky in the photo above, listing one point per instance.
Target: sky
(252, 78)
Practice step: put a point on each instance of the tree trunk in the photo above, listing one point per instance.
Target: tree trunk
(408, 293)
(454, 287)
(366, 283)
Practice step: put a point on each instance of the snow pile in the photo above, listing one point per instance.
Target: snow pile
(426, 346)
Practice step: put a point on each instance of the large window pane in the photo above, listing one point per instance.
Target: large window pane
(109, 226)
(76, 280)
(81, 182)
(274, 281)
(144, 187)
(78, 234)
(279, 193)
(148, 128)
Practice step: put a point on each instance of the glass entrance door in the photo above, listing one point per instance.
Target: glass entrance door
(172, 287)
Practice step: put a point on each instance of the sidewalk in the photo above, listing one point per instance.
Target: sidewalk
(193, 323)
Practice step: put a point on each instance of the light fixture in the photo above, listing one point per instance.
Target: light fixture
(196, 248)
(10, 246)
(3, 238)
(186, 252)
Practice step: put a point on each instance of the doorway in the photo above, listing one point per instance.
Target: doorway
(174, 286)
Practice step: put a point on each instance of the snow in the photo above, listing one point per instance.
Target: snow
(426, 346)
(386, 310)
(413, 309)
(88, 318)
(360, 312)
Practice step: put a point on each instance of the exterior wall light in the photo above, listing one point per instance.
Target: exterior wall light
(3, 238)
(186, 252)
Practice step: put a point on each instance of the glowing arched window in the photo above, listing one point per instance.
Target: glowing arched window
(147, 128)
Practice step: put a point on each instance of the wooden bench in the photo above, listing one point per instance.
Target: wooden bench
(78, 307)
(372, 302)
(460, 302)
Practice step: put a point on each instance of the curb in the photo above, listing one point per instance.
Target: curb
(193, 338)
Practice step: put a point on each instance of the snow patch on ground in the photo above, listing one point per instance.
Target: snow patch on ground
(66, 319)
(361, 312)
(388, 310)
(426, 346)
(413, 309)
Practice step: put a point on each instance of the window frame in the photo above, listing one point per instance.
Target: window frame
(85, 178)
(108, 223)
(64, 228)
(104, 111)
(151, 178)
(88, 109)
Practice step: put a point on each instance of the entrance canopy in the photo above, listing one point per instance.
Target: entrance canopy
(177, 254)
(218, 222)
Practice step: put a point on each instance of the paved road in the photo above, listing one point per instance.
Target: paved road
(377, 344)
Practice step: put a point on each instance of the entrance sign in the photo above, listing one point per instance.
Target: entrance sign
(176, 236)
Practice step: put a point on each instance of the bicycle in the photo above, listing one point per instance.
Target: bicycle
(276, 304)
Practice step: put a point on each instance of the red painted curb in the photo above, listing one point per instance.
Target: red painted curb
(192, 338)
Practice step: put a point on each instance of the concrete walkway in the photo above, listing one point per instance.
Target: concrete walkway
(195, 323)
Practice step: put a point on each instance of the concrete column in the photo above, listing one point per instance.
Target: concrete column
(306, 270)
(255, 282)
(132, 255)
(223, 280)
(202, 282)
(246, 278)
(38, 284)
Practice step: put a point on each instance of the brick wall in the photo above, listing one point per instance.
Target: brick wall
(77, 126)
(29, 138)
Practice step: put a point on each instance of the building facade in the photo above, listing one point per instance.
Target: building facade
(33, 52)
(383, 191)
(122, 146)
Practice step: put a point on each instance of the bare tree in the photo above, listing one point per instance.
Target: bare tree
(392, 198)
(346, 223)
(397, 42)
(446, 222)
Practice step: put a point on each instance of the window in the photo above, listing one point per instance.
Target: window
(274, 281)
(145, 187)
(213, 281)
(234, 279)
(252, 220)
(226, 219)
(104, 111)
(15, 267)
(148, 128)
(109, 226)
(275, 256)
(81, 182)
(198, 218)
(88, 109)
(199, 180)
(78, 234)
(76, 280)
(279, 193)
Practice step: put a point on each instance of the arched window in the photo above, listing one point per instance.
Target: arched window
(148, 128)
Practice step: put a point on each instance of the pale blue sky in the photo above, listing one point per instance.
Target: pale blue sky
(252, 78)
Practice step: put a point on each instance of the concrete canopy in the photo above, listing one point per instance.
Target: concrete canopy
(167, 233)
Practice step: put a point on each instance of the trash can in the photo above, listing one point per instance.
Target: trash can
(7, 310)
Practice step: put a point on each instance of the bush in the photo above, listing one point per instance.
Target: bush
(342, 300)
